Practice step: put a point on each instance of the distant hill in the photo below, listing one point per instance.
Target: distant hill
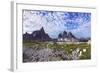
(84, 39)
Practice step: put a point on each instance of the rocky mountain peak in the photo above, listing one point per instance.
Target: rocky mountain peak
(42, 30)
(37, 35)
(67, 36)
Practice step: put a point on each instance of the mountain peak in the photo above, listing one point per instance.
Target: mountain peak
(39, 35)
(64, 32)
(70, 35)
(66, 36)
(42, 29)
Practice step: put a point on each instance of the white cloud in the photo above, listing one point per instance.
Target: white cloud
(53, 23)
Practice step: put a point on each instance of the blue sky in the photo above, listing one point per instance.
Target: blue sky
(55, 22)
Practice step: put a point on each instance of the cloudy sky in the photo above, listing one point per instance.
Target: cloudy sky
(55, 22)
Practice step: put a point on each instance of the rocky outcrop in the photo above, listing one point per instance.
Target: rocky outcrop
(66, 36)
(37, 35)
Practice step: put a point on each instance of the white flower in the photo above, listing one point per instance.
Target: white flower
(84, 50)
(80, 53)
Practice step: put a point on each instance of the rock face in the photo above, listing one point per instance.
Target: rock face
(37, 35)
(66, 36)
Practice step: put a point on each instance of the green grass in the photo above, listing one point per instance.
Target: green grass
(68, 48)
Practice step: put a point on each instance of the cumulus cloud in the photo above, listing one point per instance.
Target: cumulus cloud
(55, 22)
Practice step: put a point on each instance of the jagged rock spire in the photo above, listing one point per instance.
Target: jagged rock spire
(42, 29)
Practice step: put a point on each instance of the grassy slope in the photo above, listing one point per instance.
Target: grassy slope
(68, 48)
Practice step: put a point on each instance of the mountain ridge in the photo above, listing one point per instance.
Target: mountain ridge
(41, 35)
